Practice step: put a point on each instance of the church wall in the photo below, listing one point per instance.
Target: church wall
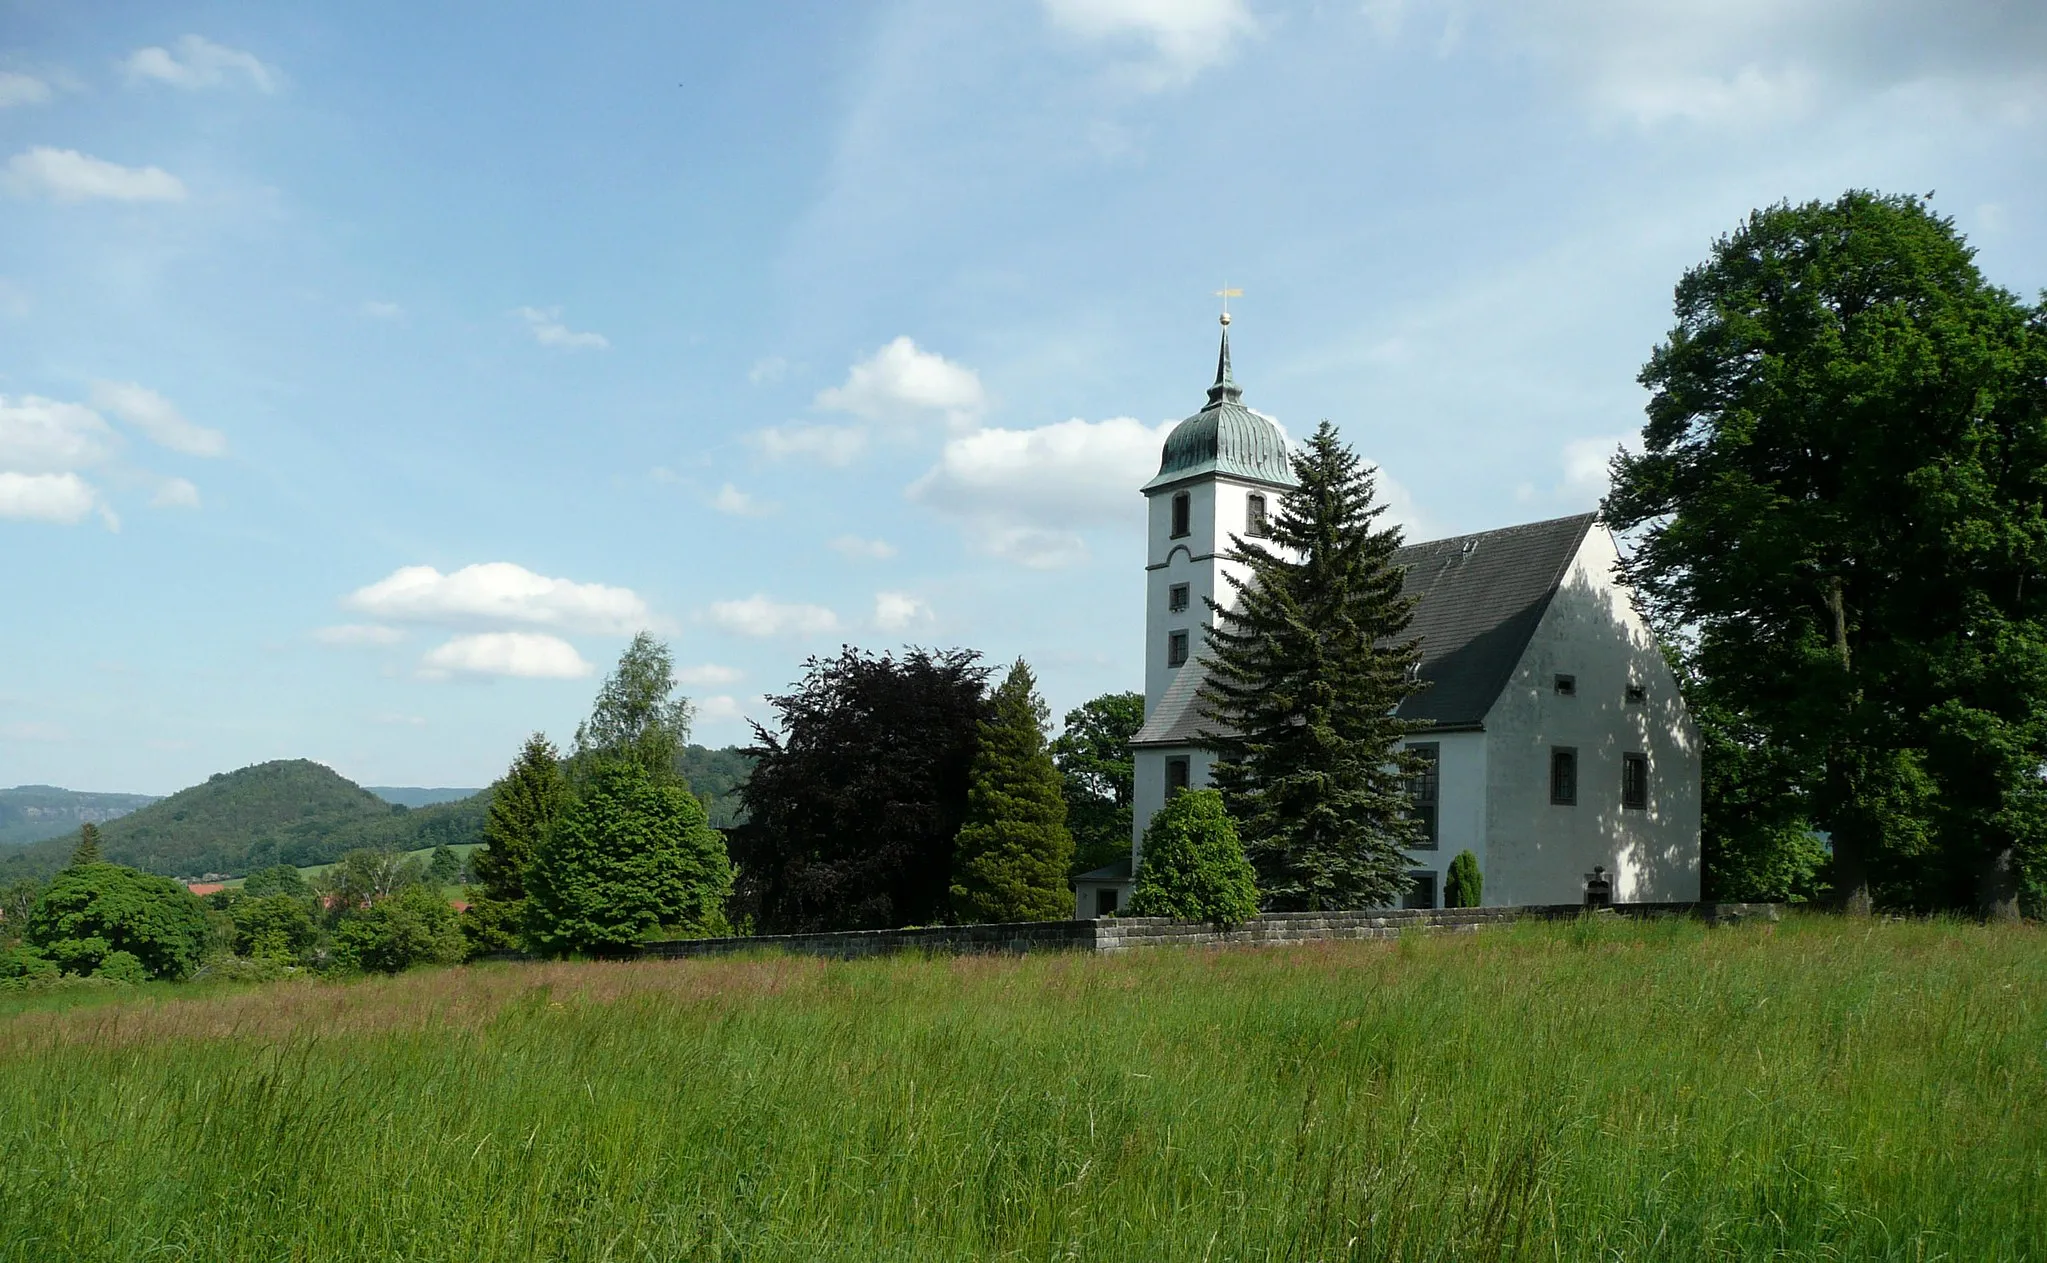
(1540, 852)
(1216, 510)
(1461, 805)
(1148, 783)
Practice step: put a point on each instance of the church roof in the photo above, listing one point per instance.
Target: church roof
(1225, 438)
(1481, 597)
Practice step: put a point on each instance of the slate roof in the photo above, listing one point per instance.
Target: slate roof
(1481, 598)
(1224, 437)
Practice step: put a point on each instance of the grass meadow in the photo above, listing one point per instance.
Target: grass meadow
(1604, 1090)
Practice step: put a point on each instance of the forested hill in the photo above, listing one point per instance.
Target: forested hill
(30, 813)
(291, 811)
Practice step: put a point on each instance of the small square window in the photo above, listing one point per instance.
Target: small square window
(1176, 598)
(1183, 515)
(1637, 694)
(1255, 524)
(1105, 902)
(1421, 893)
(1176, 648)
(1563, 776)
(1635, 781)
(1567, 686)
(1176, 775)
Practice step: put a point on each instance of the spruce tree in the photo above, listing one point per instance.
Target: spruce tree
(523, 804)
(1013, 850)
(1304, 675)
(88, 849)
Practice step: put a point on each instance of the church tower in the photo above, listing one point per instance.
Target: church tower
(1221, 474)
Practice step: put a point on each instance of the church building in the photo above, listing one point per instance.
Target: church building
(1560, 752)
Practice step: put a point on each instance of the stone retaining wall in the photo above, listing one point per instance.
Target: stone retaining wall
(1116, 934)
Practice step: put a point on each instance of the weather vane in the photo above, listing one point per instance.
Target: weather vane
(1226, 294)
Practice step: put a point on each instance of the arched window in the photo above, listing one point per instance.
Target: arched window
(1183, 512)
(1254, 517)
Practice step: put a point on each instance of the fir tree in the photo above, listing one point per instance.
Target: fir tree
(523, 803)
(88, 849)
(1013, 851)
(1304, 675)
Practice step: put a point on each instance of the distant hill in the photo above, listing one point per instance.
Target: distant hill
(291, 812)
(415, 796)
(30, 813)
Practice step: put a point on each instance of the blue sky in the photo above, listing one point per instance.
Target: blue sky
(369, 372)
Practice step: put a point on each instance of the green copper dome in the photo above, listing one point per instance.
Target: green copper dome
(1224, 438)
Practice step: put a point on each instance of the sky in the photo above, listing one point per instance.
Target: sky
(370, 373)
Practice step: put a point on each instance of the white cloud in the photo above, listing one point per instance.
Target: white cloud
(500, 592)
(758, 616)
(175, 493)
(1184, 36)
(732, 500)
(20, 89)
(66, 175)
(40, 435)
(376, 310)
(1585, 465)
(1024, 492)
(198, 63)
(901, 383)
(65, 499)
(895, 611)
(548, 330)
(523, 655)
(709, 675)
(767, 370)
(352, 635)
(854, 548)
(835, 445)
(720, 709)
(156, 417)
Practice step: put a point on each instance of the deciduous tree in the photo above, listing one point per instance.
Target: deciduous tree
(1093, 755)
(1194, 867)
(92, 910)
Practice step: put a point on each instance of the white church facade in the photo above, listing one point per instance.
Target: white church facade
(1562, 753)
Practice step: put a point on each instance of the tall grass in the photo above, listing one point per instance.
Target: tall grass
(1598, 1091)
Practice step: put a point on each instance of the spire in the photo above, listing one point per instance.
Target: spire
(1225, 387)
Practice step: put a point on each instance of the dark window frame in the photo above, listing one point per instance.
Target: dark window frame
(1179, 774)
(1425, 794)
(1566, 685)
(1256, 524)
(1637, 695)
(1106, 901)
(1420, 881)
(1635, 781)
(1177, 598)
(1176, 648)
(1183, 514)
(1563, 776)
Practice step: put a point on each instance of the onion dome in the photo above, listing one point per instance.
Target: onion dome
(1224, 438)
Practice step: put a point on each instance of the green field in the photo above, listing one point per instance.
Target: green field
(1604, 1090)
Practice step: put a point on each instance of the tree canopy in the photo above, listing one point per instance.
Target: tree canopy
(1305, 671)
(638, 716)
(854, 805)
(93, 910)
(1092, 752)
(1836, 510)
(1013, 852)
(1194, 867)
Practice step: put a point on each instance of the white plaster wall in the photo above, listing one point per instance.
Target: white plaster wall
(1148, 784)
(1216, 510)
(1538, 852)
(1460, 805)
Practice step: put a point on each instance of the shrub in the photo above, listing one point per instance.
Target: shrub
(413, 927)
(1194, 867)
(1464, 886)
(93, 910)
(121, 967)
(25, 964)
(273, 927)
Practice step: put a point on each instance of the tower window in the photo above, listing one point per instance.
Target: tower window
(1635, 781)
(1637, 694)
(1176, 776)
(1176, 598)
(1254, 517)
(1183, 515)
(1563, 776)
(1176, 648)
(1567, 686)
